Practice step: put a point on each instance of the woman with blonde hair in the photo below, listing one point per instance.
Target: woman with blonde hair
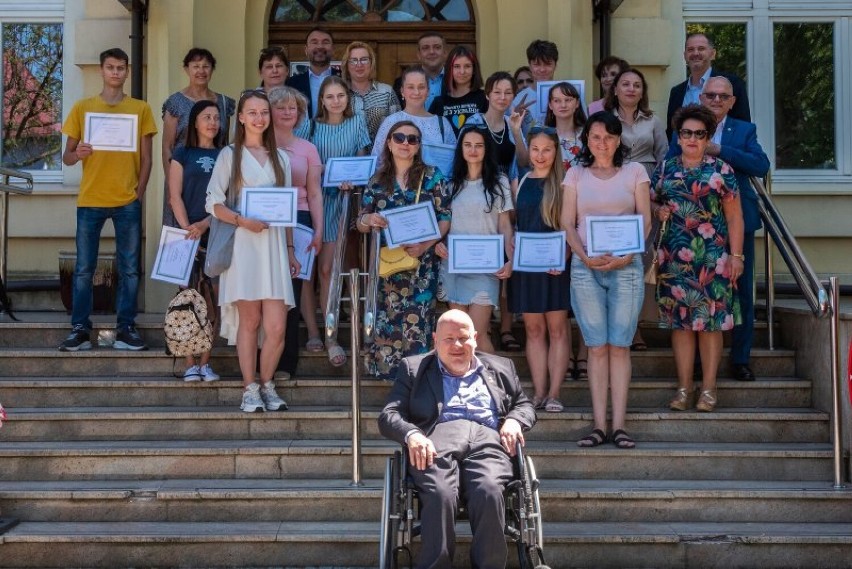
(375, 100)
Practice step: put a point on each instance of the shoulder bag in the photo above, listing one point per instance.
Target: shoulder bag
(220, 243)
(393, 261)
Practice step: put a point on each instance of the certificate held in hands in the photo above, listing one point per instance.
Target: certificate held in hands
(275, 206)
(539, 252)
(475, 253)
(111, 131)
(614, 234)
(411, 224)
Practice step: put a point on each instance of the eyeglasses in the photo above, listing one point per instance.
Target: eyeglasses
(359, 60)
(721, 96)
(524, 81)
(686, 134)
(542, 129)
(399, 138)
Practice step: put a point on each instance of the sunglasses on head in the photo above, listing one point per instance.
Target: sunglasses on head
(256, 92)
(685, 133)
(542, 130)
(400, 137)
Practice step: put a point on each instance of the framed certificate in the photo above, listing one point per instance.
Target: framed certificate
(357, 170)
(543, 92)
(539, 252)
(475, 253)
(411, 224)
(111, 131)
(302, 237)
(440, 156)
(275, 206)
(175, 256)
(614, 234)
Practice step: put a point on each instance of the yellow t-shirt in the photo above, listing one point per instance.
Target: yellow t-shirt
(109, 178)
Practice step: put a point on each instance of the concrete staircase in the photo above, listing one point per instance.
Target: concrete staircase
(108, 461)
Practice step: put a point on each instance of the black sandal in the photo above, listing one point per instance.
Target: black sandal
(508, 342)
(622, 440)
(593, 439)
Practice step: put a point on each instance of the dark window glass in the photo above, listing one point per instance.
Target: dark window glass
(371, 10)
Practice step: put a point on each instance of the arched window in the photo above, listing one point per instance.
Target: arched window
(371, 11)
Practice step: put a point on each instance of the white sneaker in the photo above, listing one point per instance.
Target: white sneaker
(192, 373)
(270, 397)
(251, 399)
(207, 373)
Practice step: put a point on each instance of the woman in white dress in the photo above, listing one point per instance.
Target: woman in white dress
(256, 290)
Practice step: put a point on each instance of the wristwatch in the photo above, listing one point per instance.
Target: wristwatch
(740, 256)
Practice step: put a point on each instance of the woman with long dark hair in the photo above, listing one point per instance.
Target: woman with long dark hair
(463, 96)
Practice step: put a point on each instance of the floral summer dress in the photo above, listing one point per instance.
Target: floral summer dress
(694, 291)
(405, 305)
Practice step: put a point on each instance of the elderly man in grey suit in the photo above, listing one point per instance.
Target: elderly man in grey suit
(461, 413)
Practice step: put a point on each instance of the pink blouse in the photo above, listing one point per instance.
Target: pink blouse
(302, 156)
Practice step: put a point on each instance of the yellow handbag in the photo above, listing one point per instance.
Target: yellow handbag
(393, 261)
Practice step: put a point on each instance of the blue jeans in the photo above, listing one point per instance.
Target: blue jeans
(127, 221)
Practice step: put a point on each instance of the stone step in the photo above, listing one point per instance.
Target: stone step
(81, 391)
(326, 459)
(224, 500)
(330, 422)
(302, 544)
(107, 362)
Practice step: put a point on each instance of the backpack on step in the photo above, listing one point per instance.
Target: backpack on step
(188, 330)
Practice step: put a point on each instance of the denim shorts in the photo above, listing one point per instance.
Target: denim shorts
(607, 303)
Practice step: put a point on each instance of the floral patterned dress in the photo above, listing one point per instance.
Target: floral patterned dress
(405, 316)
(694, 291)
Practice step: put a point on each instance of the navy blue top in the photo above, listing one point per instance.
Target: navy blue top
(197, 168)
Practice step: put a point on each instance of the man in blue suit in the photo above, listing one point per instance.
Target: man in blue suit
(735, 142)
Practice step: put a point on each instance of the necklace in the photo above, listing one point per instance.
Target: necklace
(494, 137)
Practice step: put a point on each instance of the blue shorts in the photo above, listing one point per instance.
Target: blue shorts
(607, 303)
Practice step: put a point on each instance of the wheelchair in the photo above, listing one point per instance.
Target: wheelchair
(400, 522)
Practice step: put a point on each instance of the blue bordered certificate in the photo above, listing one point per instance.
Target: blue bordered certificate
(614, 234)
(539, 252)
(439, 155)
(302, 237)
(475, 253)
(543, 93)
(357, 169)
(111, 131)
(175, 256)
(411, 224)
(275, 206)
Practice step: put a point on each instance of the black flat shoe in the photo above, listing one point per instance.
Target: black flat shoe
(742, 372)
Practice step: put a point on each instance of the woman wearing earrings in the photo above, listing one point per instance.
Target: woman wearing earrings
(481, 205)
(255, 291)
(463, 96)
(336, 132)
(375, 100)
(543, 297)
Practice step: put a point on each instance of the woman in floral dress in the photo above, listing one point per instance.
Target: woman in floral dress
(700, 254)
(405, 316)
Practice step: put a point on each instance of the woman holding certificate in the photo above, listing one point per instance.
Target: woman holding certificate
(701, 254)
(481, 206)
(256, 289)
(336, 132)
(189, 175)
(543, 297)
(606, 288)
(406, 300)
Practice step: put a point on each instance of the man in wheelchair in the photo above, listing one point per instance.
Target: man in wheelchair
(461, 414)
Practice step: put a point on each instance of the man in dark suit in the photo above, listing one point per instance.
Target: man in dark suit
(319, 49)
(735, 142)
(699, 54)
(460, 413)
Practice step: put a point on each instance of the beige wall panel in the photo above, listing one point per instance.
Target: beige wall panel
(98, 35)
(640, 9)
(40, 257)
(43, 215)
(104, 9)
(642, 41)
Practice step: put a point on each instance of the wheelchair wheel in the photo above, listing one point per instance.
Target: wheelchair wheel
(390, 513)
(531, 544)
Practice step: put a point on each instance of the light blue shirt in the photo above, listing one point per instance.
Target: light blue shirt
(436, 85)
(467, 397)
(693, 91)
(720, 128)
(316, 81)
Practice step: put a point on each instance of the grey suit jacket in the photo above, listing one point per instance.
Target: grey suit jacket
(417, 396)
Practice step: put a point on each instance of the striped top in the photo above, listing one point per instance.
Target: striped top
(376, 104)
(429, 128)
(337, 140)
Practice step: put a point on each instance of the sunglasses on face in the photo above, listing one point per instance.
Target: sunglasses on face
(721, 96)
(686, 134)
(399, 138)
(359, 60)
(524, 81)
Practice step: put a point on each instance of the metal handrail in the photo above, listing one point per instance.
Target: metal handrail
(6, 188)
(823, 298)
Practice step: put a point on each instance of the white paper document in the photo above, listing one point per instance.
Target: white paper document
(539, 252)
(111, 131)
(302, 237)
(175, 256)
(543, 92)
(475, 253)
(357, 169)
(440, 156)
(614, 234)
(276, 206)
(411, 224)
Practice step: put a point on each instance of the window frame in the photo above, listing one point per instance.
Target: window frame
(16, 13)
(760, 17)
